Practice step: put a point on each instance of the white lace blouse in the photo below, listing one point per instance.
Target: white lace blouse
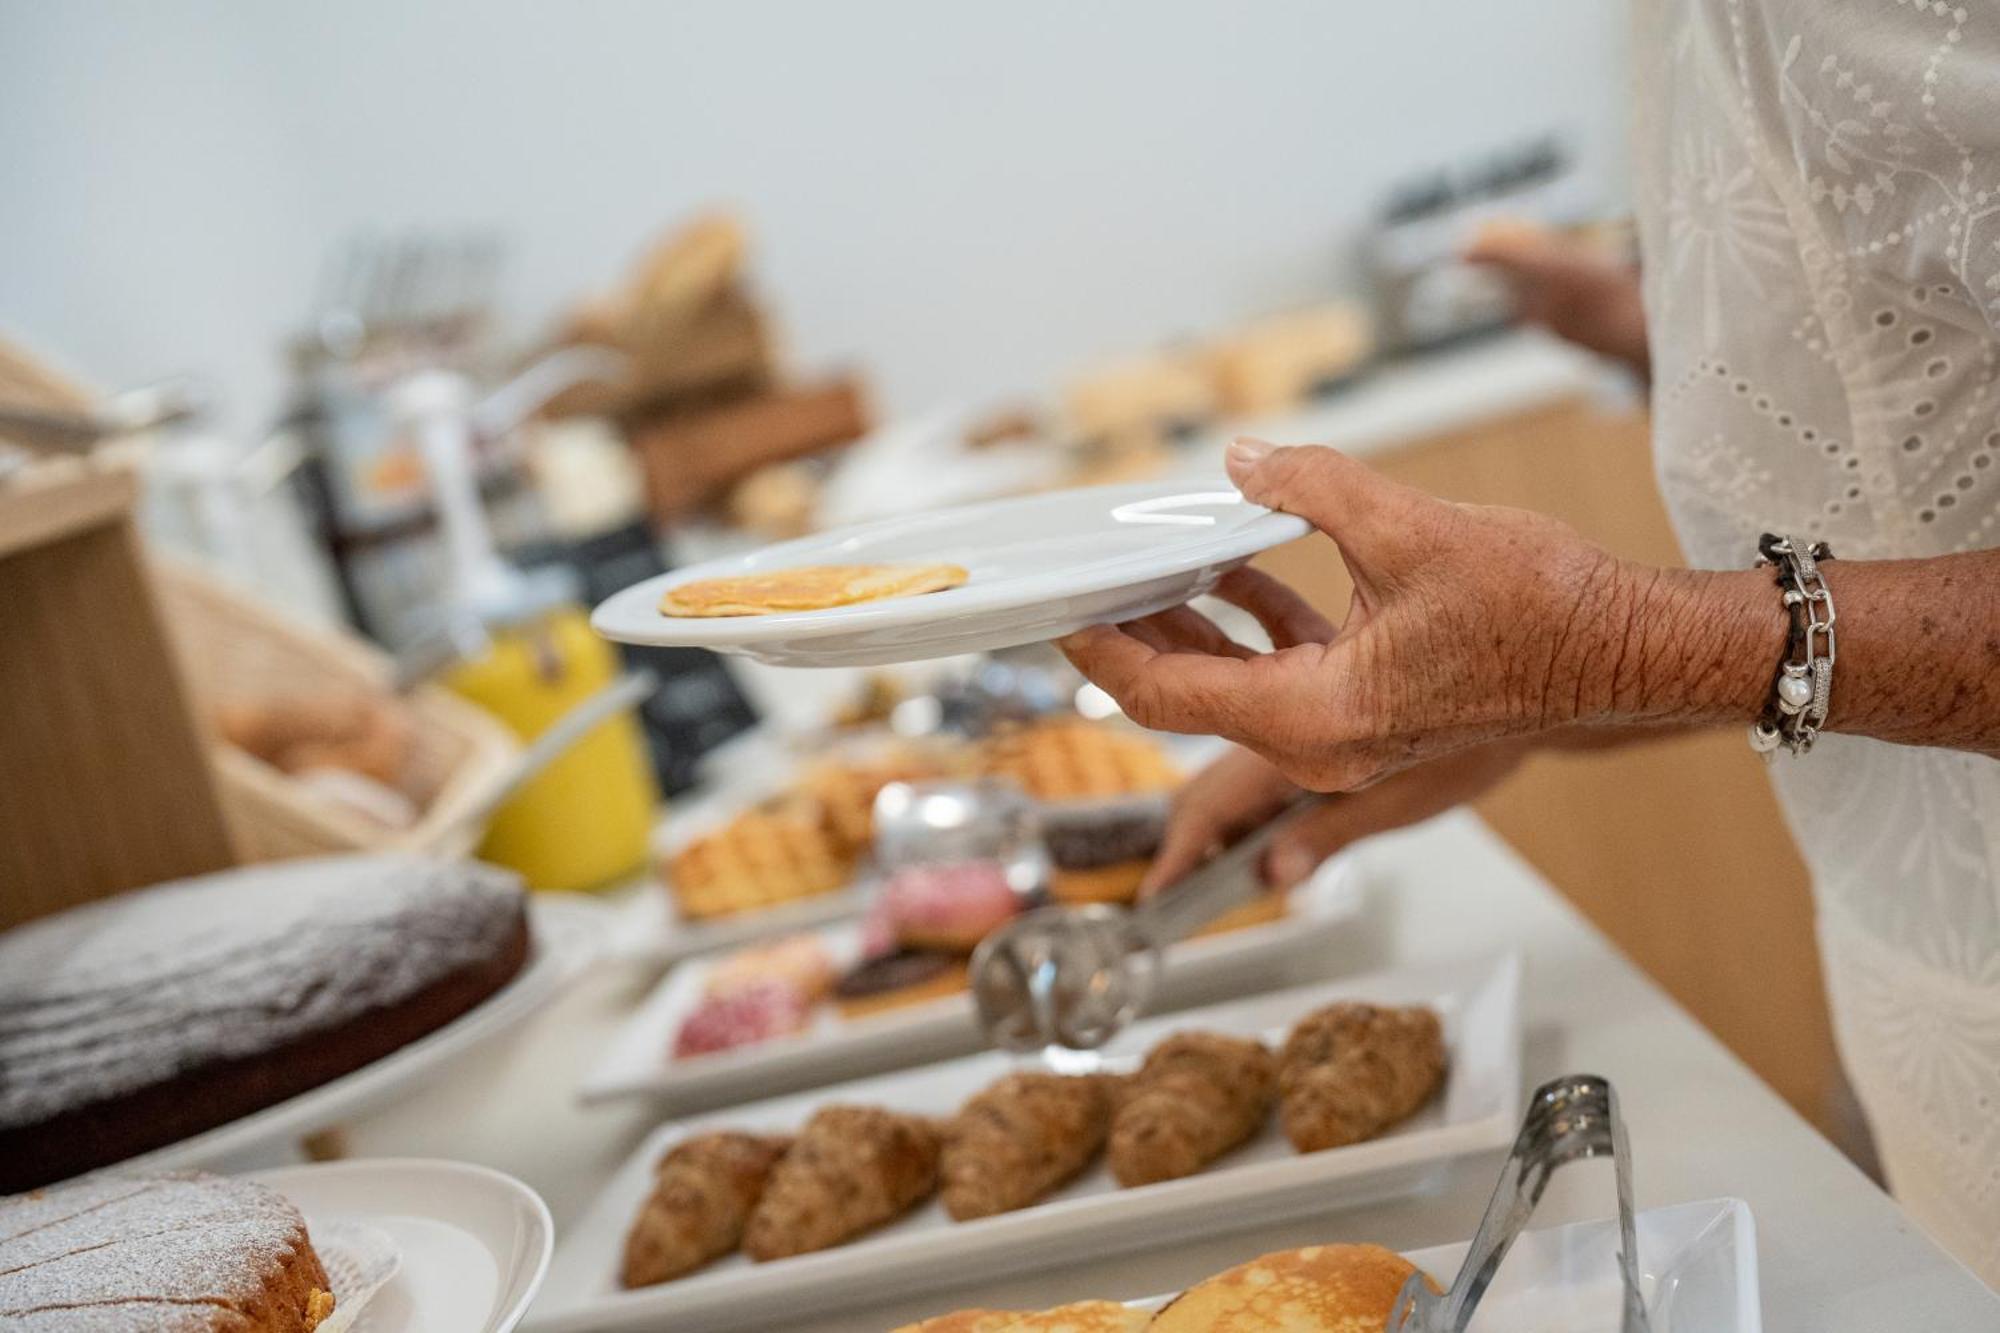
(1819, 189)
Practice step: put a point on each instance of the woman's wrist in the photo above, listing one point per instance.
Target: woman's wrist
(1686, 646)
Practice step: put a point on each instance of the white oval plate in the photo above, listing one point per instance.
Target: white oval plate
(474, 1243)
(1041, 566)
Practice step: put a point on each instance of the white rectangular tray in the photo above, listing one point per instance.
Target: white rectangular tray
(650, 932)
(1697, 1271)
(1263, 1181)
(638, 1061)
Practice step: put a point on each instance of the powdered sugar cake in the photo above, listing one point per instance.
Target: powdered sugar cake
(174, 1253)
(135, 1022)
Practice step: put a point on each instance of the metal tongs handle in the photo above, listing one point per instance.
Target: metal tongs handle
(1225, 881)
(1568, 1119)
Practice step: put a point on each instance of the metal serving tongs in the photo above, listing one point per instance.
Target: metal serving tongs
(1075, 976)
(1568, 1119)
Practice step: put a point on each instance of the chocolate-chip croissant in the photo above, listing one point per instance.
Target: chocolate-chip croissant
(1350, 1071)
(1197, 1095)
(1020, 1138)
(703, 1192)
(851, 1168)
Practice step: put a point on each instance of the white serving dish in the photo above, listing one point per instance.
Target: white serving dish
(638, 1060)
(1697, 1272)
(649, 931)
(1040, 567)
(566, 937)
(1261, 1182)
(474, 1244)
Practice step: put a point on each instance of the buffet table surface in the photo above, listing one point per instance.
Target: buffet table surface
(1836, 1254)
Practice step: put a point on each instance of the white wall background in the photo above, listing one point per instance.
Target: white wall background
(964, 199)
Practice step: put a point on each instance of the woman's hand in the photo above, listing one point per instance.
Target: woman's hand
(1240, 791)
(1469, 624)
(1569, 289)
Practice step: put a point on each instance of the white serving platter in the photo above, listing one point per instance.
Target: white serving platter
(638, 1061)
(1040, 567)
(566, 937)
(649, 931)
(1261, 1182)
(1697, 1273)
(474, 1244)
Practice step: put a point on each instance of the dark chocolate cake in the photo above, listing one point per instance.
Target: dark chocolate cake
(135, 1022)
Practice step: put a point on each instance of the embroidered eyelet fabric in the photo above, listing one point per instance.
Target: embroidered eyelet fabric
(1819, 201)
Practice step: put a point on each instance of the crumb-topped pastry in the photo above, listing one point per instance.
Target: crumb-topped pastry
(137, 1021)
(179, 1253)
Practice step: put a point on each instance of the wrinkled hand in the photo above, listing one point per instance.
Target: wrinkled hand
(1570, 289)
(1240, 791)
(1468, 624)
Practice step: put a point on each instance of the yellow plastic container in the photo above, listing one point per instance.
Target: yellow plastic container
(586, 822)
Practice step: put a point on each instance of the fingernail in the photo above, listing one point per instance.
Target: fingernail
(1245, 452)
(1289, 865)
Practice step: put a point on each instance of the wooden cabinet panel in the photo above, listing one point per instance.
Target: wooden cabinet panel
(104, 783)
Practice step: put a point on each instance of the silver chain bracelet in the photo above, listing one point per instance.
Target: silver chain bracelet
(1804, 685)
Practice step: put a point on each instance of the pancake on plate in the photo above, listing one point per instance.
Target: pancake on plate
(808, 588)
(1319, 1289)
(964, 1321)
(1082, 1317)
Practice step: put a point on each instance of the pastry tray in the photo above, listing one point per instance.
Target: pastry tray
(1261, 1182)
(638, 1061)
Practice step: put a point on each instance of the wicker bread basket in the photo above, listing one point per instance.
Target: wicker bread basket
(234, 647)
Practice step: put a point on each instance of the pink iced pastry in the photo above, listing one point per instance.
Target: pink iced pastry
(753, 1012)
(948, 906)
(799, 960)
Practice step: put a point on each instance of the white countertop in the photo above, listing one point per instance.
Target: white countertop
(1837, 1255)
(1429, 395)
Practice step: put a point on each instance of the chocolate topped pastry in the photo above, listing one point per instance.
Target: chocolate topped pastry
(902, 977)
(178, 1253)
(1086, 835)
(134, 1022)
